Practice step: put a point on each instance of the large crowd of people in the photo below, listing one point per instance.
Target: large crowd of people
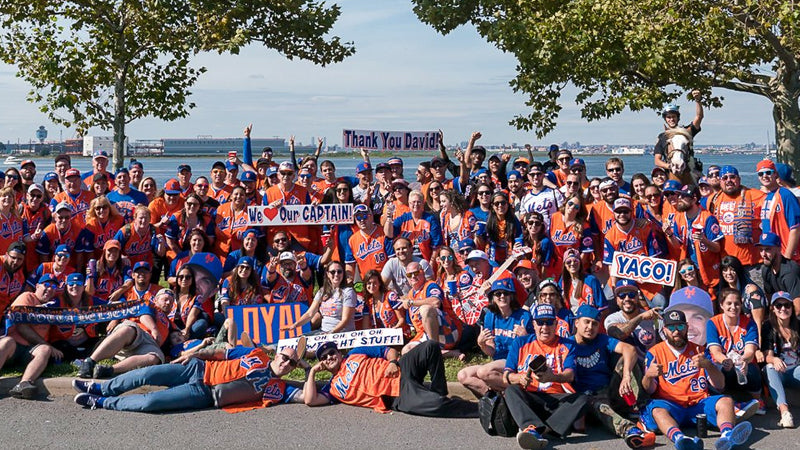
(505, 257)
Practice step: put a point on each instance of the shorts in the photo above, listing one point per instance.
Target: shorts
(448, 334)
(143, 344)
(682, 415)
(23, 354)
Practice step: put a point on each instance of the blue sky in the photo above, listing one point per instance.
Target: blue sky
(404, 76)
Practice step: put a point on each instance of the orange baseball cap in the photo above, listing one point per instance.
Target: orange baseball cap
(766, 164)
(525, 264)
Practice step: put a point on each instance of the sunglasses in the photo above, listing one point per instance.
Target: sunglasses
(446, 258)
(328, 354)
(243, 266)
(652, 196)
(35, 195)
(534, 223)
(614, 169)
(713, 174)
(50, 285)
(535, 174)
(676, 327)
(341, 190)
(766, 173)
(202, 186)
(670, 194)
(292, 362)
(593, 187)
(571, 203)
(287, 174)
(627, 295)
(545, 322)
(686, 270)
(572, 183)
(783, 305)
(361, 216)
(500, 203)
(336, 271)
(465, 251)
(184, 277)
(484, 192)
(413, 274)
(729, 177)
(564, 159)
(305, 175)
(576, 169)
(435, 188)
(280, 240)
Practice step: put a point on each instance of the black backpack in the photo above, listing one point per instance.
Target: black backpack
(495, 417)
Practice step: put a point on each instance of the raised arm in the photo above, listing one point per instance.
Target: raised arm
(472, 139)
(698, 109)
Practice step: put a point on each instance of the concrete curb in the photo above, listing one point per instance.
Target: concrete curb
(62, 387)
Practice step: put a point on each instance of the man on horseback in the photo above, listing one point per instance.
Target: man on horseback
(672, 115)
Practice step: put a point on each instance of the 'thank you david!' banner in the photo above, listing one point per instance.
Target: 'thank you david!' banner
(300, 215)
(263, 323)
(391, 141)
(643, 269)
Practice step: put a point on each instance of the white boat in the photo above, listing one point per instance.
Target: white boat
(11, 160)
(627, 151)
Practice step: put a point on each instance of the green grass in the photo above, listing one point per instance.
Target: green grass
(65, 369)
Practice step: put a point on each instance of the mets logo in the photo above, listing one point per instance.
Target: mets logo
(631, 246)
(677, 371)
(273, 390)
(342, 384)
(10, 228)
(562, 238)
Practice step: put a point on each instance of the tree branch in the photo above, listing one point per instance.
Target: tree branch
(774, 41)
(742, 87)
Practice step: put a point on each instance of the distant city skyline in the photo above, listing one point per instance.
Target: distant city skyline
(404, 76)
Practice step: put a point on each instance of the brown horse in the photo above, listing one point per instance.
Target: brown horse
(680, 155)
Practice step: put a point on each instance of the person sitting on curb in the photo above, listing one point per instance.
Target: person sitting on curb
(27, 343)
(378, 378)
(594, 370)
(236, 379)
(137, 340)
(678, 377)
(539, 372)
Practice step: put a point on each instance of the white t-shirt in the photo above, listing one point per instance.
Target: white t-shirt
(643, 337)
(395, 273)
(331, 308)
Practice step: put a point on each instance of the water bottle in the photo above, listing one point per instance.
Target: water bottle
(739, 366)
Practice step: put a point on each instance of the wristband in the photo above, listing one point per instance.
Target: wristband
(505, 377)
(395, 362)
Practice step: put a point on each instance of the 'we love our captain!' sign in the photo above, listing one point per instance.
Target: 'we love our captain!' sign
(392, 141)
(644, 269)
(300, 215)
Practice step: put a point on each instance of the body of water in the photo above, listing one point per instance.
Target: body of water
(164, 168)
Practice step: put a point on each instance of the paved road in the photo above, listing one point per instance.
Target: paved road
(59, 423)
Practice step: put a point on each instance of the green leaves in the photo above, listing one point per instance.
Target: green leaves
(635, 54)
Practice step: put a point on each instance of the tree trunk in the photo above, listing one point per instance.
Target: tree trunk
(786, 113)
(119, 123)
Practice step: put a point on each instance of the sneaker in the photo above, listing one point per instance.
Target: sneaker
(87, 368)
(762, 408)
(787, 421)
(101, 371)
(24, 389)
(737, 436)
(87, 387)
(687, 443)
(529, 438)
(745, 410)
(636, 438)
(89, 400)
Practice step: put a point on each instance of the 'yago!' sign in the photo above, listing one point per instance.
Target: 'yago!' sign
(263, 323)
(300, 215)
(644, 269)
(391, 141)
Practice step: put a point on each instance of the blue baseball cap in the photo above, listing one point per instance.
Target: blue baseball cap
(121, 170)
(769, 240)
(50, 176)
(395, 161)
(47, 278)
(231, 166)
(625, 285)
(505, 285)
(133, 164)
(513, 173)
(363, 167)
(2, 175)
(728, 169)
(183, 167)
(248, 176)
(587, 311)
(702, 181)
(781, 295)
(467, 243)
(692, 296)
(62, 250)
(672, 186)
(479, 172)
(544, 311)
(272, 171)
(785, 172)
(75, 279)
(245, 261)
(141, 265)
(711, 168)
(322, 349)
(99, 154)
(577, 162)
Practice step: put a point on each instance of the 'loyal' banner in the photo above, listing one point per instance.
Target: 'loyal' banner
(643, 269)
(300, 215)
(350, 339)
(263, 323)
(391, 141)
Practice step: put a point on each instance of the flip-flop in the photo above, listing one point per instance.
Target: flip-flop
(246, 341)
(301, 347)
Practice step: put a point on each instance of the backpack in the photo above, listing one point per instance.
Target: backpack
(495, 417)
